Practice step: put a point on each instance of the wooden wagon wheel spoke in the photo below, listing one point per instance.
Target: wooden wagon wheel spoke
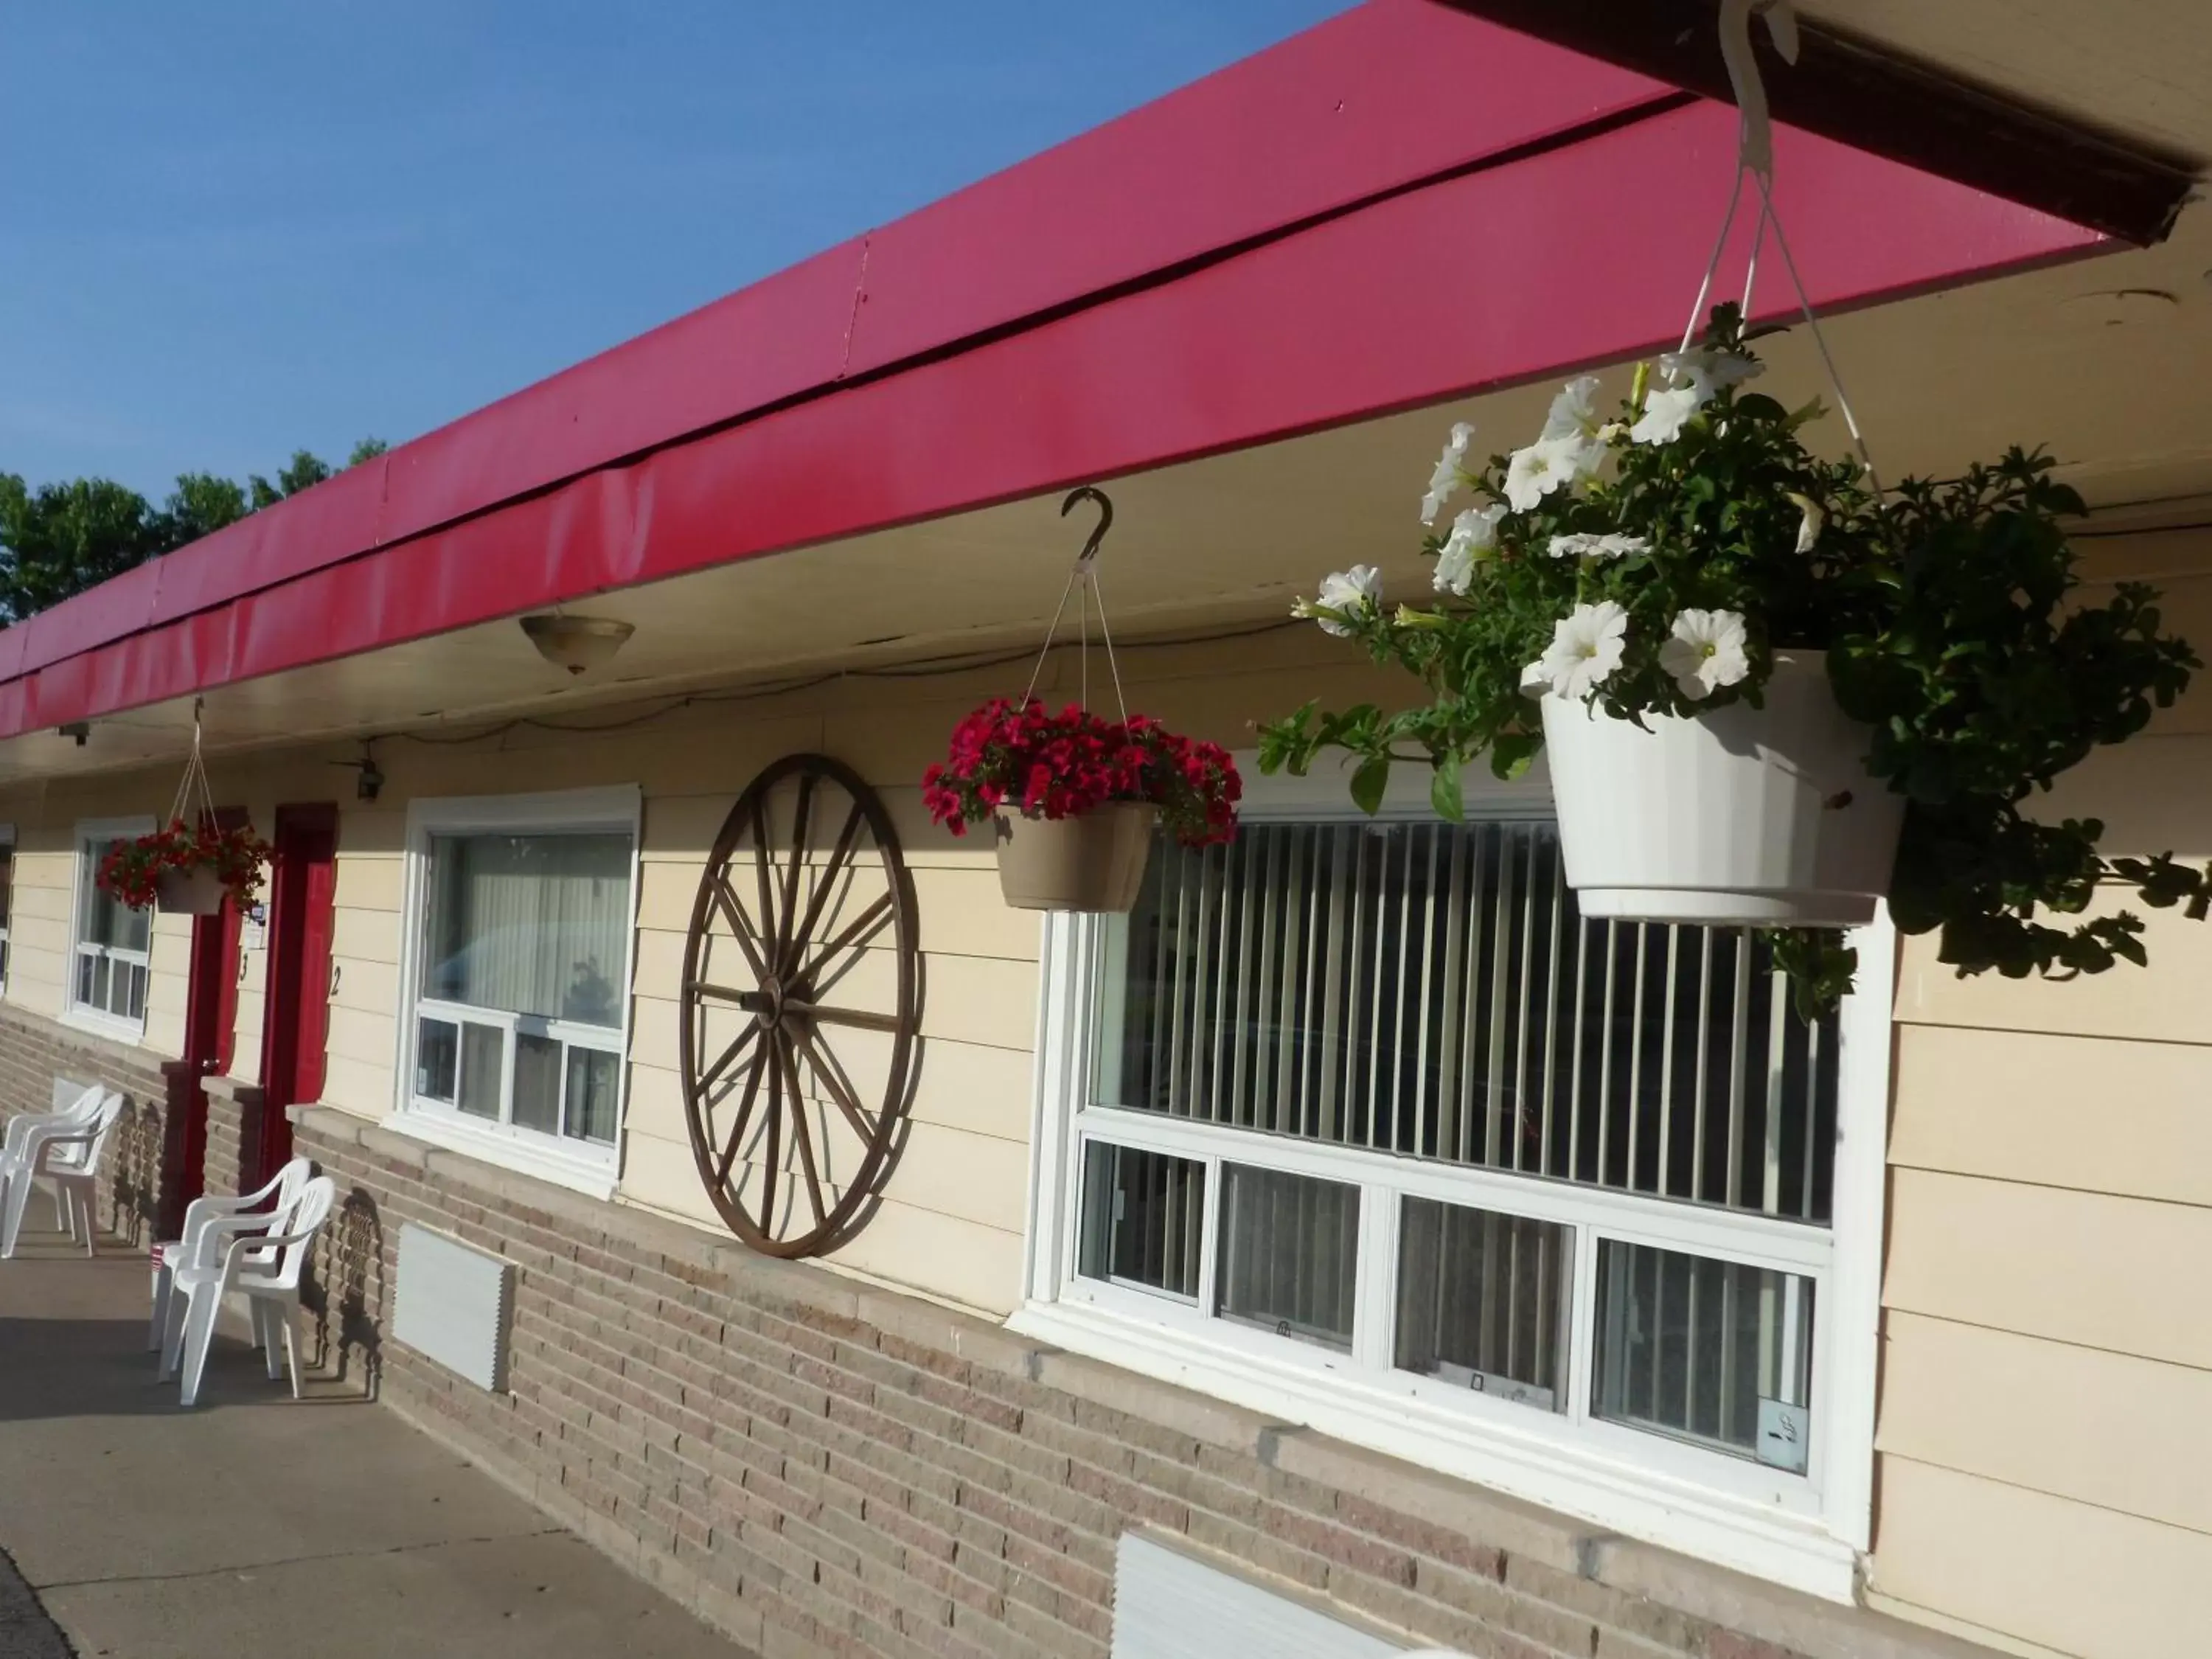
(838, 1086)
(744, 1116)
(749, 1017)
(799, 1133)
(804, 931)
(763, 868)
(772, 1164)
(714, 1073)
(860, 1018)
(792, 941)
(864, 927)
(740, 924)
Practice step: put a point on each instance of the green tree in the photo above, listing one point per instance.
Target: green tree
(58, 539)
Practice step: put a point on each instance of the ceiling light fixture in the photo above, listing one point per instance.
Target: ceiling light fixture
(575, 643)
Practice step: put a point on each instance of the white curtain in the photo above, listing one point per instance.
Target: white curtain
(533, 925)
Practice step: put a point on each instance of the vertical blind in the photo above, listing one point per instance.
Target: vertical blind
(532, 924)
(1430, 989)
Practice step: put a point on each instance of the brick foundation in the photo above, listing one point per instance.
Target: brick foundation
(230, 1107)
(822, 1468)
(139, 1176)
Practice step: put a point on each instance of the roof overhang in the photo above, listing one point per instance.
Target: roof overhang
(1331, 231)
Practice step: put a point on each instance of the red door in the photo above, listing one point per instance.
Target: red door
(302, 914)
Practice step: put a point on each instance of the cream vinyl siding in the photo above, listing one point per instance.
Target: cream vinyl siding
(42, 956)
(2044, 1465)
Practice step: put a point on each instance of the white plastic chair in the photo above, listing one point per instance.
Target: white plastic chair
(265, 1269)
(74, 1105)
(68, 1154)
(280, 1194)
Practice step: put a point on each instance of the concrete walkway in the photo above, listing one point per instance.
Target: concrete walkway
(256, 1524)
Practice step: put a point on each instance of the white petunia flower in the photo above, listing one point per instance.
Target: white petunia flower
(1473, 534)
(1707, 372)
(1573, 547)
(1586, 648)
(1664, 415)
(1445, 482)
(1808, 527)
(1344, 595)
(1619, 547)
(1706, 653)
(1536, 471)
(1574, 412)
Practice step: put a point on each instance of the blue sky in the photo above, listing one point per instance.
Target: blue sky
(230, 230)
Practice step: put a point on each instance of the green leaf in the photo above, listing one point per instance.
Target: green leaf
(1368, 782)
(1445, 793)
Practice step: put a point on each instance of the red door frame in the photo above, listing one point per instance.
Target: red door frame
(302, 914)
(210, 1042)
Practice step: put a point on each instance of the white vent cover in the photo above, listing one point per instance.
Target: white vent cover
(1169, 1604)
(453, 1303)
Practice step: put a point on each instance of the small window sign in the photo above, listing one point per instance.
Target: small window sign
(1784, 1435)
(253, 929)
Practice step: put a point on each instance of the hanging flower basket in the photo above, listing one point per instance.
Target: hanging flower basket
(1764, 815)
(185, 870)
(1772, 692)
(1072, 798)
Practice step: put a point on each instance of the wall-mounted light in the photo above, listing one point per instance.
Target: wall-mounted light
(370, 782)
(575, 643)
(78, 729)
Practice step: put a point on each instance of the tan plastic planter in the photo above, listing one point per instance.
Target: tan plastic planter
(188, 892)
(1095, 862)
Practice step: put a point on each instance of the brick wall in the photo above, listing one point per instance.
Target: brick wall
(227, 1117)
(139, 1170)
(824, 1469)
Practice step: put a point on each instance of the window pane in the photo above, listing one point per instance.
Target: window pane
(1707, 1351)
(1479, 1300)
(530, 924)
(85, 966)
(1143, 1217)
(594, 1086)
(6, 886)
(101, 919)
(437, 1059)
(132, 978)
(538, 1083)
(1430, 989)
(483, 1056)
(1289, 1246)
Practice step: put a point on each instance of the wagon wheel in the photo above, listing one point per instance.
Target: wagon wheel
(802, 1006)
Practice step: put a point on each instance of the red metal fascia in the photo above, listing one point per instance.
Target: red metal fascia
(1390, 93)
(1575, 255)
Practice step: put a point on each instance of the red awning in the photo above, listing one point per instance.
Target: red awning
(1402, 205)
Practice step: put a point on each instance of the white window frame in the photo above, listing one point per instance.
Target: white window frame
(585, 1166)
(1806, 1531)
(82, 870)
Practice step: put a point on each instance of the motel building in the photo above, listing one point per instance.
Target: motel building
(1352, 1249)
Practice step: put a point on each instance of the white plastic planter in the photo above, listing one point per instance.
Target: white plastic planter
(1764, 817)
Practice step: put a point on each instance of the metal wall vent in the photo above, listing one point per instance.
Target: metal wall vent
(454, 1305)
(1171, 1604)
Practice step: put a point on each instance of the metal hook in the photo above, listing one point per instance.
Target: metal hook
(1088, 492)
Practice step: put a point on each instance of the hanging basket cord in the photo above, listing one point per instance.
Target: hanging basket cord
(1755, 159)
(195, 779)
(1083, 587)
